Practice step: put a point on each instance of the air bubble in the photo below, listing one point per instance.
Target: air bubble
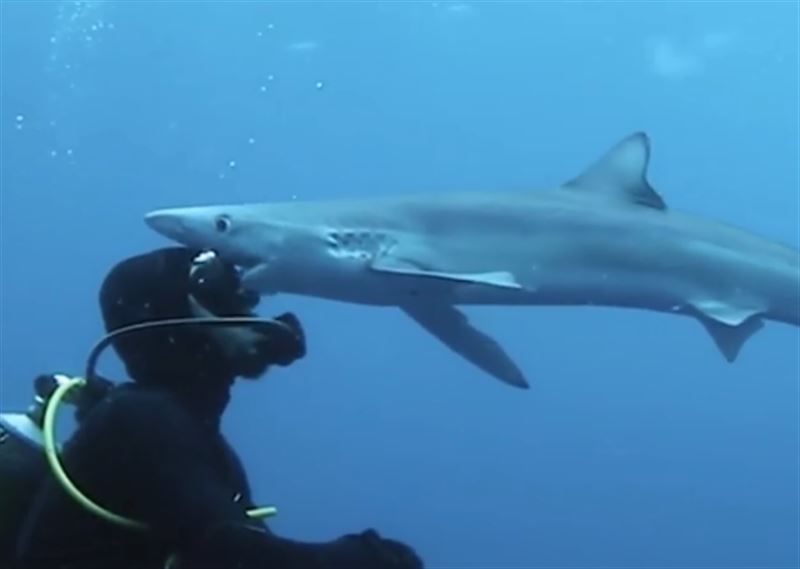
(20, 118)
(319, 85)
(270, 78)
(53, 153)
(251, 140)
(263, 88)
(232, 164)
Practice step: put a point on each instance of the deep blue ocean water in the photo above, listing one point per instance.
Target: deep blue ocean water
(637, 446)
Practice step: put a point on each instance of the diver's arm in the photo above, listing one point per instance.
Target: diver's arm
(163, 463)
(236, 545)
(166, 473)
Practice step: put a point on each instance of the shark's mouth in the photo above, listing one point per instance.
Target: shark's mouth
(258, 277)
(245, 262)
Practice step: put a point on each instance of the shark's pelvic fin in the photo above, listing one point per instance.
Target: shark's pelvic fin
(621, 174)
(730, 339)
(729, 326)
(726, 312)
(397, 266)
(452, 327)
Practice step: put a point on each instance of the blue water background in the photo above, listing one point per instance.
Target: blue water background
(637, 446)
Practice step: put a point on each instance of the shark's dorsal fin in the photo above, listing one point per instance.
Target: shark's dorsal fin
(621, 174)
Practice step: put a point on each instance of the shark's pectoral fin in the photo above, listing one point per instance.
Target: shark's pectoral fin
(397, 266)
(452, 327)
(730, 326)
(621, 174)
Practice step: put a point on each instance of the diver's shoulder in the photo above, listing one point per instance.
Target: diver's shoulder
(126, 394)
(130, 402)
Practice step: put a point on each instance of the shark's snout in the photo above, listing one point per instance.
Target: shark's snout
(204, 228)
(166, 222)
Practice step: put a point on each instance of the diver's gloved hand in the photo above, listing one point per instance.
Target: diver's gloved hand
(292, 345)
(215, 284)
(279, 341)
(391, 553)
(368, 550)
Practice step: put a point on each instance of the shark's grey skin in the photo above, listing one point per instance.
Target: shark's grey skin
(604, 238)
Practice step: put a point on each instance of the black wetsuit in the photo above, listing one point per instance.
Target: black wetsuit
(153, 454)
(149, 455)
(153, 451)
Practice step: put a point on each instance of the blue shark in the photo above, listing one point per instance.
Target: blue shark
(605, 237)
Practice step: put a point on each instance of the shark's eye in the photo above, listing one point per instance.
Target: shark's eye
(222, 223)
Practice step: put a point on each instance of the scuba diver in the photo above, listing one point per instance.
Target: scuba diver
(23, 465)
(148, 480)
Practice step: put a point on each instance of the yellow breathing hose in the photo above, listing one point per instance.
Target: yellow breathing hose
(51, 451)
